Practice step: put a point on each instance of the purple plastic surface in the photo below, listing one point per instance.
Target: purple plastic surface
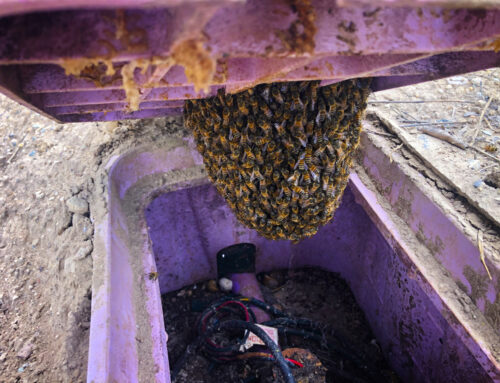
(397, 42)
(164, 217)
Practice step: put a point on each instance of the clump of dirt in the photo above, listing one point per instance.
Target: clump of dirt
(315, 294)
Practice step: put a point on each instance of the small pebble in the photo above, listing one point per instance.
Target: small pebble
(212, 286)
(476, 81)
(269, 281)
(25, 351)
(474, 164)
(77, 205)
(225, 284)
(23, 367)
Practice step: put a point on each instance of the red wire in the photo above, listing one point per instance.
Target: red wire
(297, 363)
(204, 324)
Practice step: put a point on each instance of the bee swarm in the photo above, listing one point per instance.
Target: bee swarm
(280, 153)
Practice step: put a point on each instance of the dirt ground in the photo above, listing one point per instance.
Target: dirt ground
(468, 111)
(46, 210)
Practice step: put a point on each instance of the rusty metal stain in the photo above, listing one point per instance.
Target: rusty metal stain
(199, 66)
(299, 37)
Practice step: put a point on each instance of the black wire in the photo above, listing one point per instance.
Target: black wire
(270, 344)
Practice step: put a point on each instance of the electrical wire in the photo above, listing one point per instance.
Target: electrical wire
(216, 317)
(270, 344)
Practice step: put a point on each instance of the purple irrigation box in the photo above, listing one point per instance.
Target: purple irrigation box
(402, 257)
(87, 60)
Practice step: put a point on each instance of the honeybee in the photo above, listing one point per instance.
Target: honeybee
(250, 185)
(245, 198)
(251, 124)
(315, 186)
(287, 115)
(321, 112)
(297, 189)
(235, 154)
(287, 144)
(294, 177)
(234, 132)
(259, 158)
(262, 140)
(256, 173)
(314, 172)
(264, 124)
(282, 214)
(330, 149)
(271, 147)
(319, 152)
(294, 217)
(302, 138)
(314, 90)
(244, 137)
(201, 148)
(309, 128)
(277, 95)
(248, 152)
(330, 189)
(225, 116)
(326, 91)
(308, 155)
(265, 109)
(279, 232)
(263, 192)
(254, 104)
(153, 275)
(247, 164)
(265, 93)
(224, 142)
(260, 213)
(286, 189)
(330, 165)
(301, 163)
(285, 173)
(297, 102)
(324, 181)
(276, 176)
(242, 106)
(307, 178)
(268, 170)
(280, 128)
(490, 148)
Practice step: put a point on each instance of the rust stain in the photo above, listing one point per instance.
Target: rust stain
(299, 37)
(199, 66)
(329, 66)
(495, 44)
(220, 76)
(134, 40)
(129, 85)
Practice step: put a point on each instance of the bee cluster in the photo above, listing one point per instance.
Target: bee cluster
(280, 153)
